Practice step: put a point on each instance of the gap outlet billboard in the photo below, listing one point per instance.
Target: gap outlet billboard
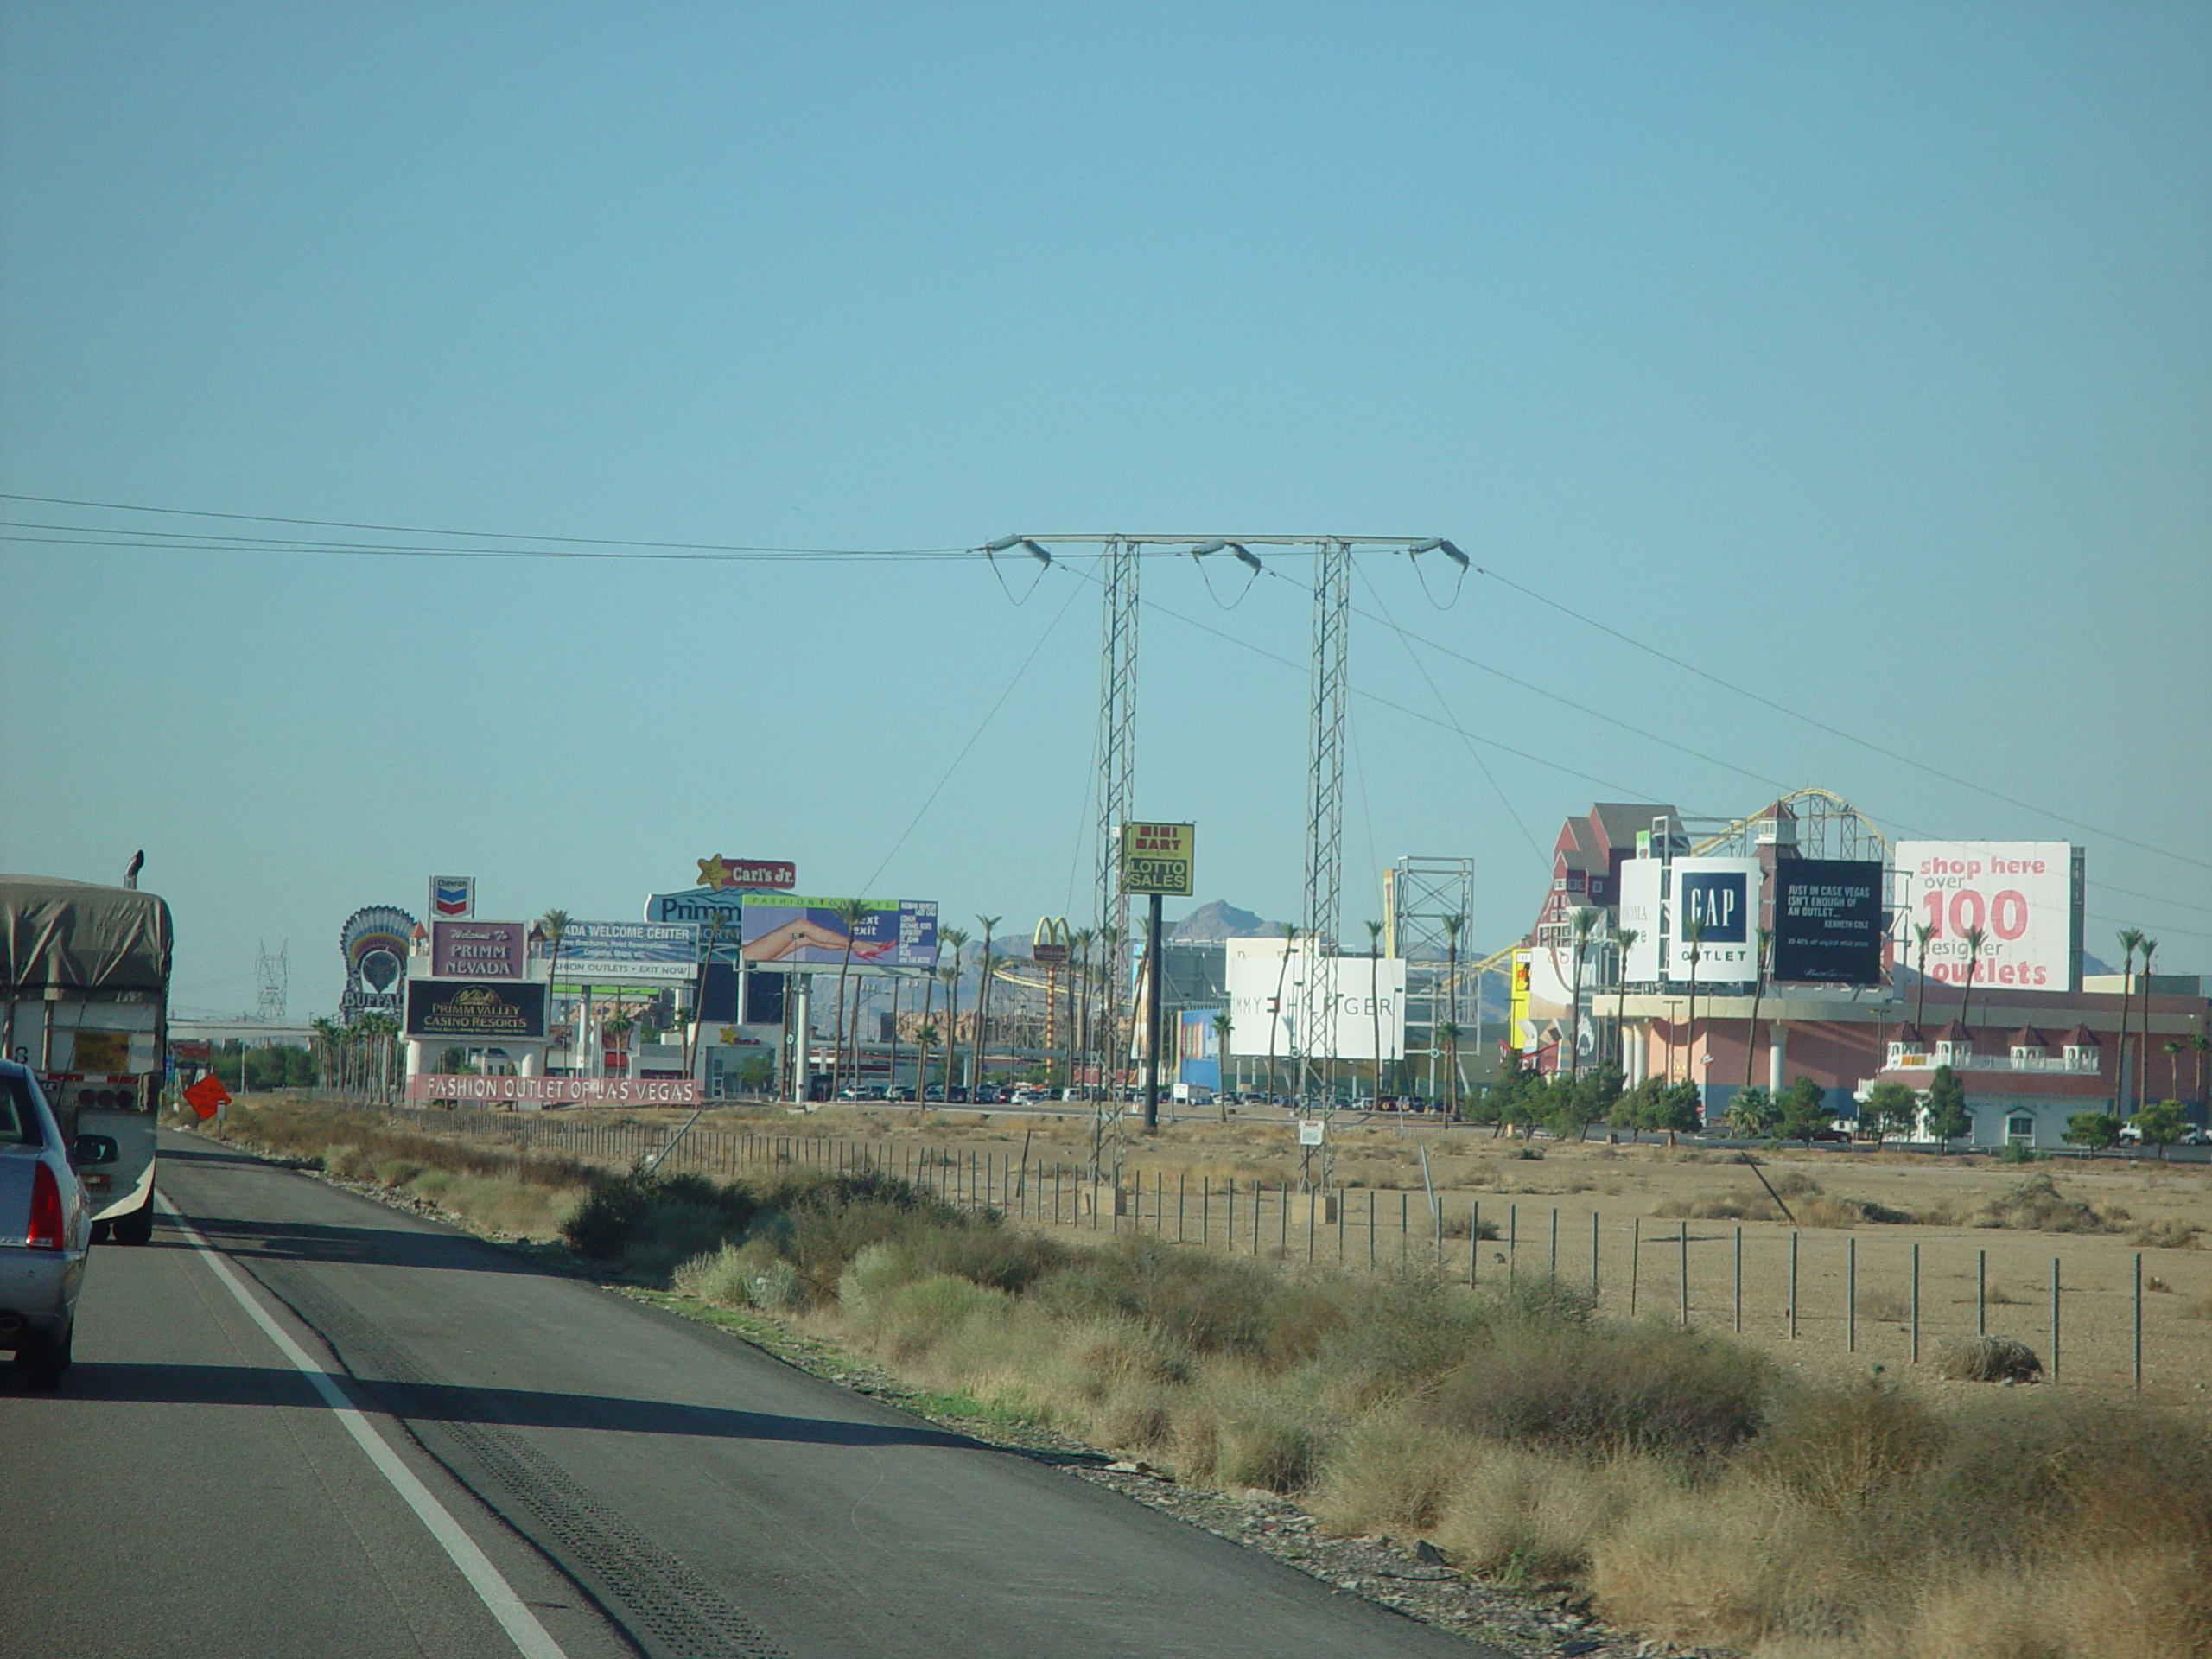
(2025, 896)
(1659, 899)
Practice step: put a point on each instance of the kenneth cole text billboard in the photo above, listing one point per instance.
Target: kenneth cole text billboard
(809, 934)
(2025, 896)
(1828, 925)
(474, 950)
(475, 1011)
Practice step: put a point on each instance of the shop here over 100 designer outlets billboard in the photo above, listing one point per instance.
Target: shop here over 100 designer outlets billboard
(2025, 896)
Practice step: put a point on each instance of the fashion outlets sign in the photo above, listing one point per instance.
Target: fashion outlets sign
(2025, 896)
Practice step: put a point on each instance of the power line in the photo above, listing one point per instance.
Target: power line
(419, 529)
(1837, 731)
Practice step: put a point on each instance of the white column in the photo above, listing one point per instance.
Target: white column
(415, 1067)
(1777, 1056)
(532, 1062)
(804, 985)
(1635, 1051)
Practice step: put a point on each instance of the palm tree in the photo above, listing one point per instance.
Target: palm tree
(1624, 940)
(1975, 939)
(2173, 1046)
(2143, 1037)
(2131, 939)
(929, 995)
(850, 912)
(926, 1036)
(2202, 1044)
(1274, 1020)
(1374, 998)
(1078, 963)
(1584, 918)
(954, 938)
(1224, 1024)
(983, 1008)
(1693, 937)
(1758, 990)
(1448, 1034)
(1921, 932)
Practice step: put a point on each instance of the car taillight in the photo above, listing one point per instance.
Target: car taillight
(44, 1232)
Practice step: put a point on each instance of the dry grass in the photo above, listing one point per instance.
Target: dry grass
(2169, 1236)
(1698, 1492)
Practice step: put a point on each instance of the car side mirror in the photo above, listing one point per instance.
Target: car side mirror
(95, 1149)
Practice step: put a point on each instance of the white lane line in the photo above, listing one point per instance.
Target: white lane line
(531, 1638)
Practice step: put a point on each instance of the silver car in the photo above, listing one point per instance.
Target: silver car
(45, 1228)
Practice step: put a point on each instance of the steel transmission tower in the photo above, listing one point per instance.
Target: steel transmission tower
(1329, 686)
(1324, 796)
(1117, 759)
(272, 978)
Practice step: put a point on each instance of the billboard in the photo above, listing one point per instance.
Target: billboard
(720, 873)
(1639, 909)
(1198, 1052)
(555, 1091)
(1267, 990)
(452, 896)
(2025, 896)
(808, 935)
(1158, 858)
(763, 991)
(716, 912)
(631, 953)
(373, 941)
(475, 1011)
(1659, 896)
(1828, 921)
(474, 950)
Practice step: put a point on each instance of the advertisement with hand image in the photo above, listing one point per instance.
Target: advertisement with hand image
(809, 934)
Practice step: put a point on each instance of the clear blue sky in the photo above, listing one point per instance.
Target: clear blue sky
(1860, 353)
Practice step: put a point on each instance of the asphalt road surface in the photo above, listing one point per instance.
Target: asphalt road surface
(337, 1430)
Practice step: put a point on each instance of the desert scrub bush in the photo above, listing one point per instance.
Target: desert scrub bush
(1209, 1304)
(1547, 1374)
(651, 1223)
(750, 1274)
(2037, 1205)
(2168, 1235)
(1990, 1359)
(1400, 1335)
(1719, 1206)
(1391, 1472)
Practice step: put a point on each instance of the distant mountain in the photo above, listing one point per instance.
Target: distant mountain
(1219, 920)
(2096, 964)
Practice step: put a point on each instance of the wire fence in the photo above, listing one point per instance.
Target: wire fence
(1866, 1300)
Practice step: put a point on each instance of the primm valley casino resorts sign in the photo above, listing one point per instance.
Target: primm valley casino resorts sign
(1158, 858)
(475, 1011)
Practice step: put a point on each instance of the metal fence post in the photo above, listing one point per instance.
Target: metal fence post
(1851, 1294)
(1739, 1279)
(1915, 1304)
(2053, 1319)
(1683, 1233)
(1512, 1241)
(2138, 1321)
(1635, 1262)
(1982, 1293)
(1793, 1287)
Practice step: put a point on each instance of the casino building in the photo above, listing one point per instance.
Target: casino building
(2033, 1039)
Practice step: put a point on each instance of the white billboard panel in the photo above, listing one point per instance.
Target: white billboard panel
(1723, 893)
(1639, 909)
(1265, 992)
(2025, 896)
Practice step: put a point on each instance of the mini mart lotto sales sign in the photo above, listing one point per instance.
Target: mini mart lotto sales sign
(1158, 857)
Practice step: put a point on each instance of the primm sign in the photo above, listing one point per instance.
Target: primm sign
(2025, 896)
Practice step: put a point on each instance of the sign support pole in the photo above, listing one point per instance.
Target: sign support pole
(1152, 1024)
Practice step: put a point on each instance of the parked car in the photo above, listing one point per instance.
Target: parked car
(903, 1091)
(46, 1227)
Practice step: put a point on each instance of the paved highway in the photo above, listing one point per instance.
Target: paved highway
(303, 1423)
